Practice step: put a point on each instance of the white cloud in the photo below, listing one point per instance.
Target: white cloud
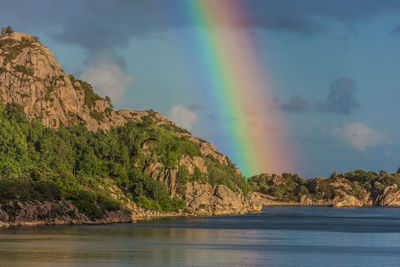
(107, 77)
(361, 136)
(182, 116)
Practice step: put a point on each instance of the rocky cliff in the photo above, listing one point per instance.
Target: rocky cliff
(204, 199)
(31, 77)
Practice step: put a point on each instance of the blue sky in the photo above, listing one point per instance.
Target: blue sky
(333, 65)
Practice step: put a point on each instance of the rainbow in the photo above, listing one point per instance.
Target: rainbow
(257, 134)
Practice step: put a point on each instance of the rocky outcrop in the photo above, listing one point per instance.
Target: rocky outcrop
(267, 200)
(390, 196)
(31, 77)
(204, 199)
(354, 189)
(348, 201)
(206, 148)
(29, 213)
(168, 176)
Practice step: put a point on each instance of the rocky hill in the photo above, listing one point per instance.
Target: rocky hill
(352, 189)
(96, 163)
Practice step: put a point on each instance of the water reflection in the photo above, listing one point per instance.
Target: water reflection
(91, 245)
(278, 237)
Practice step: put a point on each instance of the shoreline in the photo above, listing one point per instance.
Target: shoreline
(7, 225)
(159, 216)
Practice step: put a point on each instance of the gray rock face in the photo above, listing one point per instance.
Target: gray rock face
(204, 199)
(390, 196)
(54, 212)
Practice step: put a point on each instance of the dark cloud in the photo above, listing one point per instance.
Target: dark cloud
(296, 104)
(105, 23)
(197, 106)
(396, 30)
(100, 24)
(341, 98)
(213, 117)
(96, 57)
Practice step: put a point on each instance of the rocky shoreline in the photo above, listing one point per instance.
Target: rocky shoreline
(110, 218)
(63, 212)
(202, 199)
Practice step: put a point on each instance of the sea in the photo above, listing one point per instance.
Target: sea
(278, 236)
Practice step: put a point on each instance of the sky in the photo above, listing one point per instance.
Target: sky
(333, 68)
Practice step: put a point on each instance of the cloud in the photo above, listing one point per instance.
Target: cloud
(341, 98)
(213, 117)
(182, 116)
(361, 136)
(106, 75)
(99, 24)
(197, 106)
(296, 104)
(396, 30)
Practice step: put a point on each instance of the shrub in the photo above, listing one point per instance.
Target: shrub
(108, 99)
(90, 96)
(178, 203)
(47, 190)
(107, 203)
(96, 115)
(146, 203)
(88, 208)
(9, 30)
(13, 189)
(85, 201)
(24, 70)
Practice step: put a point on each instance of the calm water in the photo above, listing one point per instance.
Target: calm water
(280, 236)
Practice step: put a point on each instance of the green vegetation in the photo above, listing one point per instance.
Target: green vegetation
(42, 163)
(108, 111)
(90, 96)
(24, 70)
(47, 164)
(97, 115)
(108, 99)
(6, 30)
(9, 30)
(226, 175)
(168, 147)
(290, 187)
(12, 48)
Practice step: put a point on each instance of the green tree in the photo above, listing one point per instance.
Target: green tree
(9, 30)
